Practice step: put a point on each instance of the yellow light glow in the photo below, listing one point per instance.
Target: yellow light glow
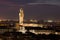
(0, 20)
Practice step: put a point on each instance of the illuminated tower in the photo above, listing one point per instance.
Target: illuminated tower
(21, 17)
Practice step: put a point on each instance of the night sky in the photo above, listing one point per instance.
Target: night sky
(33, 9)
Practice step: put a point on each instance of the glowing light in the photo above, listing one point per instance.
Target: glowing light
(33, 20)
(56, 32)
(50, 21)
(0, 20)
(33, 25)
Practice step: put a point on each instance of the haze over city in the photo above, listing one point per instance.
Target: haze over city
(33, 9)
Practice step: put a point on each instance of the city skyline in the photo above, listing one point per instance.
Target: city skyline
(33, 9)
